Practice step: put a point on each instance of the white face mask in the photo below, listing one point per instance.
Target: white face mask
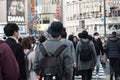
(96, 37)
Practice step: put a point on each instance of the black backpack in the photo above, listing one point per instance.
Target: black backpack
(85, 54)
(50, 65)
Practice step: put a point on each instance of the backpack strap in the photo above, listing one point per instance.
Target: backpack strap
(59, 50)
(28, 53)
(43, 51)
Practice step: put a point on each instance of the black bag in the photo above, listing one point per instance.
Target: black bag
(50, 65)
(85, 54)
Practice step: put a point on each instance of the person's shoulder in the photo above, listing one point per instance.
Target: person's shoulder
(3, 44)
(1, 41)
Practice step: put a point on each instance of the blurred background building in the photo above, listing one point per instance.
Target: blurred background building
(76, 15)
(90, 13)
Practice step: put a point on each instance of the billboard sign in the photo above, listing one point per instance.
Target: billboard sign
(1, 29)
(21, 29)
(16, 11)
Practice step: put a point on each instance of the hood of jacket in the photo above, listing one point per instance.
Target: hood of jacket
(114, 39)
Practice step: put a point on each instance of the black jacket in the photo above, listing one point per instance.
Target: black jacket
(19, 54)
(98, 46)
(113, 47)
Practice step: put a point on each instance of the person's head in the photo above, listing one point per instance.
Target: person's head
(79, 35)
(84, 34)
(20, 40)
(70, 37)
(56, 29)
(96, 35)
(27, 43)
(42, 38)
(114, 34)
(64, 35)
(13, 8)
(11, 29)
(90, 37)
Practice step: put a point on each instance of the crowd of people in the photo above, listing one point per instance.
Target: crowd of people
(57, 57)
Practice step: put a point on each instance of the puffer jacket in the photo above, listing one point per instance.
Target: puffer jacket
(113, 47)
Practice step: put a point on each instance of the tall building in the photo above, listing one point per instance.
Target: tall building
(48, 11)
(89, 15)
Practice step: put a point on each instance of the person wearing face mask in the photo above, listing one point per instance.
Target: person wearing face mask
(99, 51)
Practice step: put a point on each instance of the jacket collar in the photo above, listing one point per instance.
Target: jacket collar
(14, 38)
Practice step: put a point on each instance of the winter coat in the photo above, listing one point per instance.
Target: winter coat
(9, 69)
(50, 46)
(70, 44)
(89, 64)
(98, 46)
(20, 56)
(113, 47)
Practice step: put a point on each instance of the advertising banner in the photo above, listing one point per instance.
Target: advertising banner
(16, 11)
(1, 29)
(21, 29)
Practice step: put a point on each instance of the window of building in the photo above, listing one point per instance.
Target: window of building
(46, 21)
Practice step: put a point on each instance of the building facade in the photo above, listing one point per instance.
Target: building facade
(89, 15)
(48, 11)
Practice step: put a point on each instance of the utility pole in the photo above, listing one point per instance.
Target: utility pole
(61, 11)
(104, 18)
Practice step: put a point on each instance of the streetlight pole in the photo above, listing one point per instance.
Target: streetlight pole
(61, 11)
(104, 18)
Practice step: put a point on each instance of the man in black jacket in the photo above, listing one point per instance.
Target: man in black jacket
(99, 50)
(11, 31)
(113, 53)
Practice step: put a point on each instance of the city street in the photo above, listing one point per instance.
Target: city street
(103, 74)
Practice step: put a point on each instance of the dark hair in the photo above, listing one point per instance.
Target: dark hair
(80, 35)
(64, 35)
(90, 37)
(42, 38)
(84, 34)
(54, 36)
(10, 28)
(96, 33)
(20, 40)
(70, 37)
(26, 43)
(114, 33)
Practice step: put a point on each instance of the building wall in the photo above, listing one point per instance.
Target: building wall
(91, 12)
(3, 12)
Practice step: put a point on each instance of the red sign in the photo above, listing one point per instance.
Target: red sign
(58, 11)
(33, 11)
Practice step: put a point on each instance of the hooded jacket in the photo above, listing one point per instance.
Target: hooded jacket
(113, 47)
(9, 69)
(50, 46)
